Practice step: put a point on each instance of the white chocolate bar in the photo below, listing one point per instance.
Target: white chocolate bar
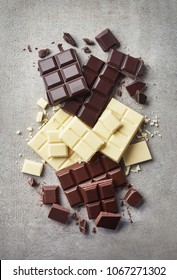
(137, 153)
(39, 143)
(129, 121)
(81, 139)
(32, 167)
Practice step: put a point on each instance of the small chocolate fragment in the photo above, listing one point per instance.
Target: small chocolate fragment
(59, 213)
(29, 48)
(32, 182)
(88, 41)
(69, 39)
(140, 97)
(50, 194)
(107, 220)
(60, 46)
(83, 226)
(107, 40)
(86, 50)
(119, 93)
(93, 230)
(43, 53)
(133, 197)
(135, 87)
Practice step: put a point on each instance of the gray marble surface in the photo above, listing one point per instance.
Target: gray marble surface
(144, 28)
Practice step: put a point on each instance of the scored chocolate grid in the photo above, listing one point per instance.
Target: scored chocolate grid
(98, 168)
(39, 143)
(101, 80)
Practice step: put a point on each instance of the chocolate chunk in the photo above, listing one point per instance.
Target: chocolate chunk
(50, 194)
(107, 220)
(107, 40)
(88, 41)
(69, 39)
(59, 213)
(140, 97)
(83, 226)
(86, 50)
(133, 197)
(135, 87)
(43, 53)
(29, 48)
(60, 46)
(32, 182)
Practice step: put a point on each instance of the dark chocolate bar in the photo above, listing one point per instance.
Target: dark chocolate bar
(133, 197)
(101, 79)
(59, 213)
(99, 196)
(128, 65)
(98, 168)
(62, 77)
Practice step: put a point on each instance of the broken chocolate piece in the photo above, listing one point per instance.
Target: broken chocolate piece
(43, 53)
(133, 197)
(69, 39)
(119, 93)
(107, 220)
(50, 194)
(60, 47)
(140, 97)
(59, 213)
(88, 41)
(32, 182)
(29, 48)
(93, 230)
(86, 50)
(107, 40)
(135, 87)
(83, 226)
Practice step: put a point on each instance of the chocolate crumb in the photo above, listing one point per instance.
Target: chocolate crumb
(122, 204)
(24, 49)
(86, 50)
(83, 226)
(36, 48)
(32, 182)
(29, 48)
(93, 230)
(53, 43)
(88, 41)
(43, 53)
(69, 39)
(60, 47)
(119, 93)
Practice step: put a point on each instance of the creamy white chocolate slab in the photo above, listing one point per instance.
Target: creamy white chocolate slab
(32, 167)
(81, 139)
(56, 147)
(39, 143)
(42, 103)
(137, 153)
(129, 122)
(39, 117)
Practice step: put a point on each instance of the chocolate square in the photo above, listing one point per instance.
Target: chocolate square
(50, 194)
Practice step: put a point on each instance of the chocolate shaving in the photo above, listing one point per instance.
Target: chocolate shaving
(86, 50)
(60, 47)
(43, 53)
(29, 48)
(88, 41)
(32, 182)
(69, 39)
(83, 226)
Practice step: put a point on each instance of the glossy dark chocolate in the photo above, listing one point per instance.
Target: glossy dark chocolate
(101, 80)
(133, 197)
(107, 220)
(62, 77)
(59, 213)
(128, 65)
(107, 40)
(98, 168)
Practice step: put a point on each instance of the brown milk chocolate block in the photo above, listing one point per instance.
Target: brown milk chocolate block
(107, 40)
(107, 220)
(99, 196)
(101, 79)
(50, 194)
(98, 168)
(133, 197)
(128, 65)
(62, 77)
(59, 213)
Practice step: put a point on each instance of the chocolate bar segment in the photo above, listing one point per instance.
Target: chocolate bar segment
(62, 77)
(50, 194)
(107, 220)
(128, 65)
(75, 176)
(99, 196)
(107, 40)
(133, 197)
(59, 213)
(101, 79)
